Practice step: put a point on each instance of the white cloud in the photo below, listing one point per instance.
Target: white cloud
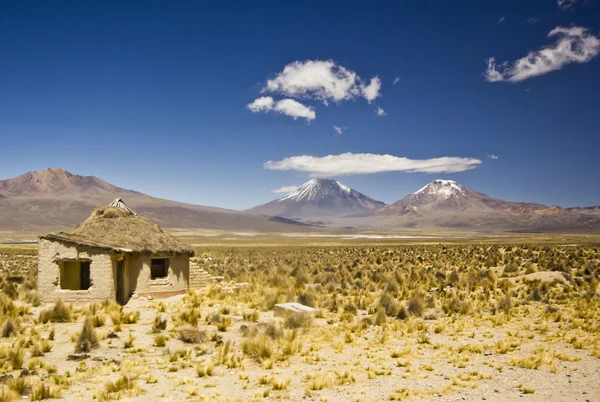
(574, 45)
(295, 109)
(285, 189)
(566, 4)
(501, 20)
(396, 80)
(532, 20)
(339, 130)
(323, 80)
(264, 103)
(371, 91)
(494, 157)
(380, 112)
(351, 164)
(288, 107)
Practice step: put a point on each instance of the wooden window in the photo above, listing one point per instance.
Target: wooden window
(159, 268)
(75, 275)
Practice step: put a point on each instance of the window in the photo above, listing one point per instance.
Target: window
(75, 275)
(159, 267)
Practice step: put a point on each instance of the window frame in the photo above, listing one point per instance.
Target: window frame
(165, 267)
(84, 269)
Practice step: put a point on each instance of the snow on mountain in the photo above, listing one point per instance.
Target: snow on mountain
(315, 188)
(319, 198)
(443, 188)
(444, 198)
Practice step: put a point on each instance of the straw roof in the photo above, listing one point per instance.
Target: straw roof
(115, 228)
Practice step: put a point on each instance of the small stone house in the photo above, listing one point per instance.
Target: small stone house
(112, 255)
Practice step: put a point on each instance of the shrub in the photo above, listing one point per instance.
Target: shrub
(273, 331)
(380, 317)
(16, 356)
(416, 305)
(205, 370)
(128, 343)
(98, 320)
(402, 313)
(123, 383)
(59, 313)
(307, 298)
(260, 347)
(6, 395)
(44, 391)
(87, 338)
(160, 340)
(505, 304)
(298, 320)
(350, 308)
(9, 328)
(32, 297)
(192, 335)
(17, 385)
(159, 324)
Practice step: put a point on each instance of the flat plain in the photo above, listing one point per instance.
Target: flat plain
(445, 318)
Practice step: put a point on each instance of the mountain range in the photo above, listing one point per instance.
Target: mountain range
(440, 204)
(55, 199)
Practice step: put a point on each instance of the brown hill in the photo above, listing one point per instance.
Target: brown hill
(54, 199)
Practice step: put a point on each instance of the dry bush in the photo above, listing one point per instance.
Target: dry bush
(87, 339)
(298, 320)
(192, 335)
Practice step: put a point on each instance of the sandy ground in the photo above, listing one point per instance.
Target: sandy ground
(463, 354)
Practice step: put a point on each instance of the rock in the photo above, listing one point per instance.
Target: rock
(78, 356)
(112, 335)
(487, 353)
(135, 296)
(150, 297)
(5, 377)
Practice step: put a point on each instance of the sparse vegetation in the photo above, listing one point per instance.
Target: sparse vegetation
(403, 312)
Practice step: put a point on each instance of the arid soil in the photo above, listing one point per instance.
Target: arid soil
(511, 330)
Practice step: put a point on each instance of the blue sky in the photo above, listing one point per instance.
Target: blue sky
(154, 95)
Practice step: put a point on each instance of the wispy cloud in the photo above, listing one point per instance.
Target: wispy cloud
(573, 45)
(323, 80)
(285, 189)
(354, 164)
(494, 157)
(289, 107)
(501, 20)
(532, 20)
(566, 4)
(339, 130)
(396, 80)
(380, 112)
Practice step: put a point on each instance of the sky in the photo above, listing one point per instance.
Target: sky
(224, 103)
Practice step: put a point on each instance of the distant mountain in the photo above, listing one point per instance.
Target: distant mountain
(590, 209)
(321, 198)
(54, 199)
(449, 196)
(447, 204)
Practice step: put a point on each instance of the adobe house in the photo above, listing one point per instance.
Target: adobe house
(111, 255)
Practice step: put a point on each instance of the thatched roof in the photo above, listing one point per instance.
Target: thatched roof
(118, 229)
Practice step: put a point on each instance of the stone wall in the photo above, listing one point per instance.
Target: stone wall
(199, 278)
(102, 269)
(140, 279)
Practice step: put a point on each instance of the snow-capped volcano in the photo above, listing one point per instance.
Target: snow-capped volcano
(317, 188)
(447, 196)
(319, 198)
(441, 188)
